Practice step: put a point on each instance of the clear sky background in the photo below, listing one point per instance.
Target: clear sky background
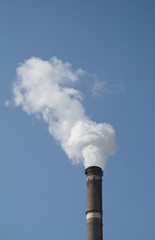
(42, 196)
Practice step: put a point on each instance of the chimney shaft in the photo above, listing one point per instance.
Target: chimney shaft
(94, 203)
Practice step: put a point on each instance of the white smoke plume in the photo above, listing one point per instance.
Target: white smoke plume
(44, 88)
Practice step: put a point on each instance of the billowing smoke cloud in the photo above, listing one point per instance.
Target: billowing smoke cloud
(44, 88)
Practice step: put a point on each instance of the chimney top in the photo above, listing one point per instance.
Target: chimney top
(94, 170)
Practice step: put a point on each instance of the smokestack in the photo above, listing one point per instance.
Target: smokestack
(94, 203)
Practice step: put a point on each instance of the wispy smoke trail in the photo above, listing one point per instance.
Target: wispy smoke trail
(41, 89)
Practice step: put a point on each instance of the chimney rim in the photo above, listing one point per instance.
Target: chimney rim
(94, 169)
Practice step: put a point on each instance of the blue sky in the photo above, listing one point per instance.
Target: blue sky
(43, 196)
